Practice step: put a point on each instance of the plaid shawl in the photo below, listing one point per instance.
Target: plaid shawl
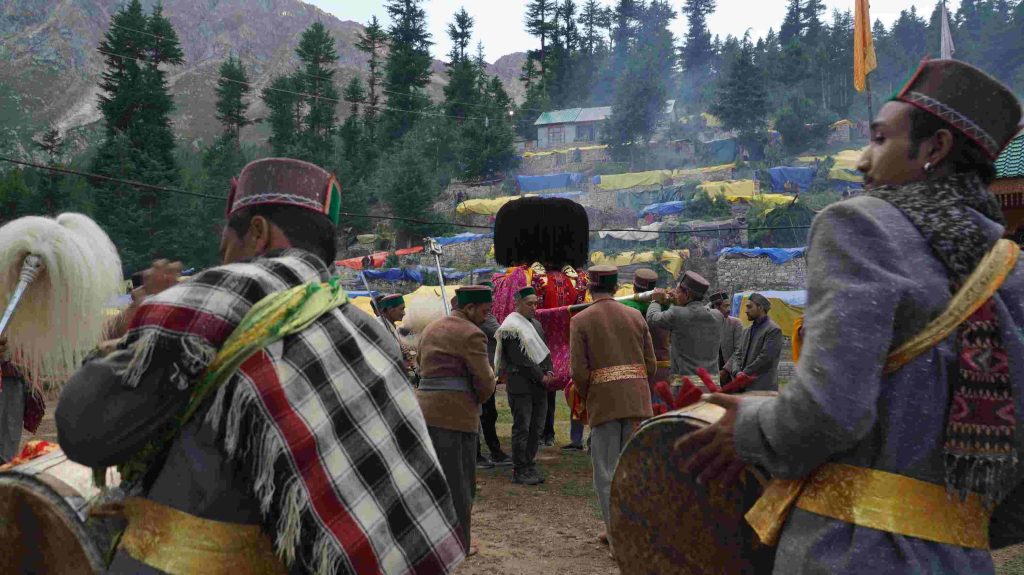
(980, 453)
(341, 463)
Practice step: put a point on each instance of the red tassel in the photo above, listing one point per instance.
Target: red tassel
(660, 408)
(739, 383)
(664, 392)
(705, 377)
(688, 397)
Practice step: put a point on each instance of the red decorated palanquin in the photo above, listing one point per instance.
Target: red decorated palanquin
(556, 290)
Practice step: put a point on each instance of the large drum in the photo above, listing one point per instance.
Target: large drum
(664, 523)
(45, 525)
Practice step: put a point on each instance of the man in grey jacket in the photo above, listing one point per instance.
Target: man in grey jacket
(525, 361)
(759, 350)
(695, 331)
(732, 328)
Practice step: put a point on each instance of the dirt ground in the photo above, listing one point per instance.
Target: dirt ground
(549, 529)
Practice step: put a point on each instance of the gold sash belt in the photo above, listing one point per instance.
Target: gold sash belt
(665, 364)
(887, 501)
(179, 543)
(618, 373)
(877, 499)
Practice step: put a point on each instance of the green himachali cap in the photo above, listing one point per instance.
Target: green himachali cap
(390, 301)
(525, 292)
(473, 294)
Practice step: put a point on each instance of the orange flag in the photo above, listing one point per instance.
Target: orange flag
(863, 47)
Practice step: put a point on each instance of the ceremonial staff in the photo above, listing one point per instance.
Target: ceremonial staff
(638, 297)
(433, 248)
(30, 268)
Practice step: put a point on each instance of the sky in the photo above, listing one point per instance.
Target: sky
(499, 23)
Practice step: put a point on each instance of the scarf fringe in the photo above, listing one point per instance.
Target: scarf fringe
(259, 446)
(988, 477)
(144, 348)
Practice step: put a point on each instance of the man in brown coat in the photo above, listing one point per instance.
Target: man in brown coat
(732, 328)
(455, 379)
(612, 360)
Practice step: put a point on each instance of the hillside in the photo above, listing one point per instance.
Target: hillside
(50, 66)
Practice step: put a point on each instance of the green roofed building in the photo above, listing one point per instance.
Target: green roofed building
(1009, 186)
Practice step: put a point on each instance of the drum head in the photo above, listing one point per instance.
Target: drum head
(40, 532)
(664, 523)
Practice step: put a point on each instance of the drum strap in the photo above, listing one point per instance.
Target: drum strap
(876, 499)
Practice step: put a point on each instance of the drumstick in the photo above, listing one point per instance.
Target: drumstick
(688, 397)
(706, 378)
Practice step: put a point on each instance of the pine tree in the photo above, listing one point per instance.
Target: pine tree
(461, 90)
(742, 103)
(540, 23)
(814, 28)
(372, 41)
(591, 38)
(697, 54)
(139, 144)
(407, 69)
(355, 95)
(232, 90)
(317, 53)
(642, 90)
(792, 26)
(48, 200)
(284, 101)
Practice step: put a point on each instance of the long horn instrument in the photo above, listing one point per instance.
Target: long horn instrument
(642, 297)
(30, 269)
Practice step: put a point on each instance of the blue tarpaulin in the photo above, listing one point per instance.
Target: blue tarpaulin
(721, 151)
(563, 195)
(777, 255)
(548, 182)
(664, 208)
(479, 271)
(800, 176)
(411, 274)
(461, 238)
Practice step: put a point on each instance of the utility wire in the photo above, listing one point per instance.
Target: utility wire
(711, 231)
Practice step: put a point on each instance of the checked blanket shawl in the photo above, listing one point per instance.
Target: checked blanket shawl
(341, 462)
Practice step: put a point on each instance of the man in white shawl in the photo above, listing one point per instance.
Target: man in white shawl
(524, 360)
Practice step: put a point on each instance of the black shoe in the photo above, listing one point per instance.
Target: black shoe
(501, 459)
(535, 473)
(526, 477)
(573, 447)
(484, 463)
(548, 442)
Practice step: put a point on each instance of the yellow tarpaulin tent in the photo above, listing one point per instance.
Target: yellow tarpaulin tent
(697, 172)
(434, 292)
(847, 159)
(712, 121)
(671, 261)
(486, 206)
(783, 314)
(565, 151)
(735, 188)
(845, 175)
(635, 179)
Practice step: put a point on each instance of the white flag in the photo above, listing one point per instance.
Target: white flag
(947, 49)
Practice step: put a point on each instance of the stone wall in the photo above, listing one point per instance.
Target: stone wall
(740, 273)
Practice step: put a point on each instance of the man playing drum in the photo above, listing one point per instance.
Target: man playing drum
(260, 423)
(898, 436)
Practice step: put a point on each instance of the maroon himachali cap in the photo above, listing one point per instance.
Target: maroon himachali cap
(286, 182)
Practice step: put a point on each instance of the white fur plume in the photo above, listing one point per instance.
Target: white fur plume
(61, 315)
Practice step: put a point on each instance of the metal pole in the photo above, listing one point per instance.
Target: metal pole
(29, 270)
(435, 249)
(369, 293)
(641, 297)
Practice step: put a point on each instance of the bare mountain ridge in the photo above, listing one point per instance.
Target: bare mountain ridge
(48, 55)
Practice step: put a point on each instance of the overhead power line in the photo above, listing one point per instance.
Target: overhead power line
(143, 185)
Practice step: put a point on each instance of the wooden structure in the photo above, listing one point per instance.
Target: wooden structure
(1009, 187)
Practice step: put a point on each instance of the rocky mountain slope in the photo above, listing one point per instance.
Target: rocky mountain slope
(49, 65)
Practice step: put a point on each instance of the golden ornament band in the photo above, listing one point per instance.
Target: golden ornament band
(876, 499)
(981, 285)
(618, 373)
(179, 543)
(665, 364)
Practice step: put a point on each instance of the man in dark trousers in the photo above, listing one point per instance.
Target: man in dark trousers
(489, 410)
(760, 349)
(524, 359)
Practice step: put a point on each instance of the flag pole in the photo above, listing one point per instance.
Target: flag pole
(871, 103)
